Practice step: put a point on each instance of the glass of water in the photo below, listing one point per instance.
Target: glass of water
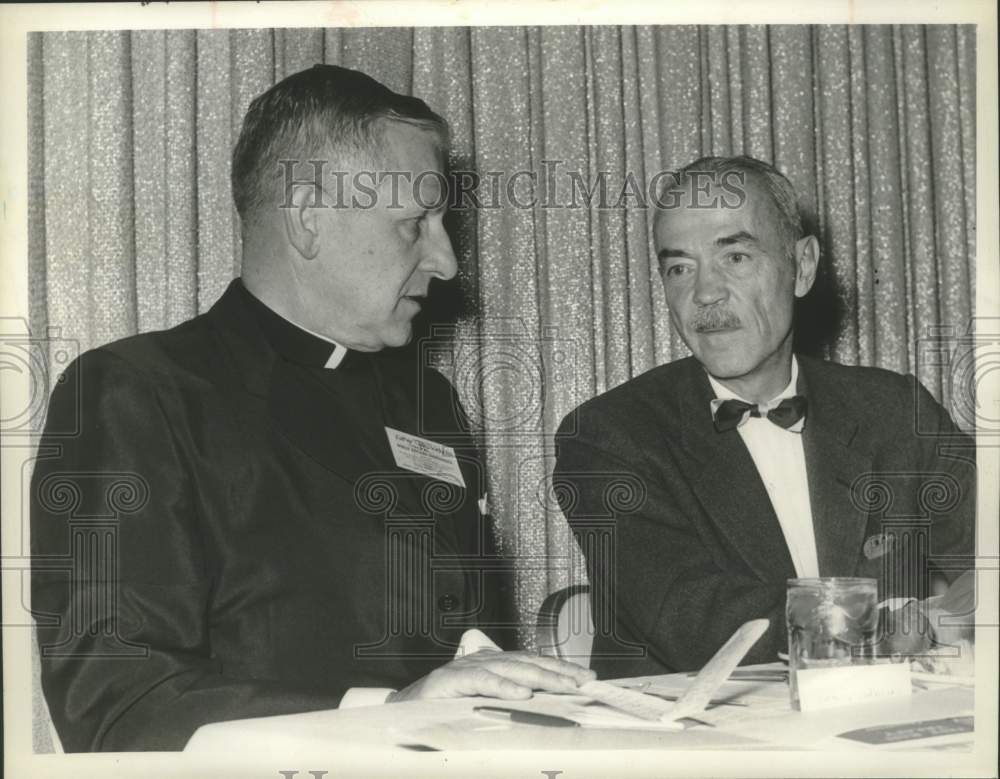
(831, 622)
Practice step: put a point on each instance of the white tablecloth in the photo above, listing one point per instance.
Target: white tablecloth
(758, 716)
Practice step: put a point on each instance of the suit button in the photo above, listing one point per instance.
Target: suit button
(447, 602)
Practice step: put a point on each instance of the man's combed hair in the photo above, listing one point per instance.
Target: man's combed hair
(323, 113)
(775, 183)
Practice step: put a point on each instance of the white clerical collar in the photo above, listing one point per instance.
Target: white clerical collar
(723, 392)
(339, 350)
(292, 340)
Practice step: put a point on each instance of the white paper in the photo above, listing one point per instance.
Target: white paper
(717, 670)
(699, 692)
(821, 688)
(637, 704)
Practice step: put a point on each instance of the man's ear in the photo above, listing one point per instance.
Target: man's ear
(300, 216)
(806, 264)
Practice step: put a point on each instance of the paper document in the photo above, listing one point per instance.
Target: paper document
(638, 704)
(698, 695)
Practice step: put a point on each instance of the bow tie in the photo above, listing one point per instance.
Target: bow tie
(730, 413)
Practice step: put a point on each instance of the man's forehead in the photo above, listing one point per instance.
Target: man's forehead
(410, 147)
(683, 217)
(712, 203)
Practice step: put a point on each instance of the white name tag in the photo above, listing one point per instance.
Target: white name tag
(428, 458)
(821, 688)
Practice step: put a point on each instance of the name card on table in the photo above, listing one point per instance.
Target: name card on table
(822, 688)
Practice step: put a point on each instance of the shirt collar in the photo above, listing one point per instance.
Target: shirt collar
(724, 393)
(293, 341)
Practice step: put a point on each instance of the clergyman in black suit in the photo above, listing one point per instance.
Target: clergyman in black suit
(700, 487)
(271, 508)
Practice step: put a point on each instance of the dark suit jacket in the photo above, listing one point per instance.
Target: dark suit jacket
(682, 542)
(229, 536)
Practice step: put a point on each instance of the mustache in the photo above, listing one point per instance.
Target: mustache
(714, 319)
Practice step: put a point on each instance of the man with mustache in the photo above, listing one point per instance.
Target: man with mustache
(286, 505)
(748, 464)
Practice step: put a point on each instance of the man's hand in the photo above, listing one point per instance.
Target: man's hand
(905, 631)
(953, 620)
(953, 615)
(510, 675)
(922, 626)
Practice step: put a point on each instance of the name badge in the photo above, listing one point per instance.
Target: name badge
(427, 458)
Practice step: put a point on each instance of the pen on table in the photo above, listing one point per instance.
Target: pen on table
(750, 675)
(525, 717)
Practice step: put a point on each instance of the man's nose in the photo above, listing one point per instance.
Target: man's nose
(709, 287)
(439, 256)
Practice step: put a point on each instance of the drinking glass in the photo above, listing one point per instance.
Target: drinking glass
(831, 622)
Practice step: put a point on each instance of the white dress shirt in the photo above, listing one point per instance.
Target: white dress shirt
(781, 463)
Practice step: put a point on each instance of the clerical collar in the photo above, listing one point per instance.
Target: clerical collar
(724, 393)
(291, 340)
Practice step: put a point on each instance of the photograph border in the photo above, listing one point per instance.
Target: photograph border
(17, 20)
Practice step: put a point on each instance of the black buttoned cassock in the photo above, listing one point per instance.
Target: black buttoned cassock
(228, 535)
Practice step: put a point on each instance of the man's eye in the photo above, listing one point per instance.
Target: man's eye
(412, 226)
(675, 270)
(738, 258)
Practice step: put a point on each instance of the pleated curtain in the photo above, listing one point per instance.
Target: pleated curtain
(132, 226)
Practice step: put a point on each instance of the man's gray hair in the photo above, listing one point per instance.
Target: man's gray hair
(775, 184)
(311, 115)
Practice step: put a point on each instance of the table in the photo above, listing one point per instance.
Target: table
(756, 715)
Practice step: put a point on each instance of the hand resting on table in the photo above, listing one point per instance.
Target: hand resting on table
(495, 674)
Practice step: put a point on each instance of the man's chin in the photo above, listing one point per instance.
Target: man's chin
(724, 366)
(725, 374)
(397, 337)
(376, 342)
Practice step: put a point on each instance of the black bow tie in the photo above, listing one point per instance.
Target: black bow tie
(730, 413)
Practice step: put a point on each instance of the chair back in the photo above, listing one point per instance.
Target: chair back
(565, 627)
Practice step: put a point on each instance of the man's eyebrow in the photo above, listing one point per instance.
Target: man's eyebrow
(416, 210)
(726, 240)
(667, 253)
(741, 237)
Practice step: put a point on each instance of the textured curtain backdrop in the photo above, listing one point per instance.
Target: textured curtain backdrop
(132, 226)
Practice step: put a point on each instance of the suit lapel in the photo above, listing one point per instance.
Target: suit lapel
(833, 461)
(726, 482)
